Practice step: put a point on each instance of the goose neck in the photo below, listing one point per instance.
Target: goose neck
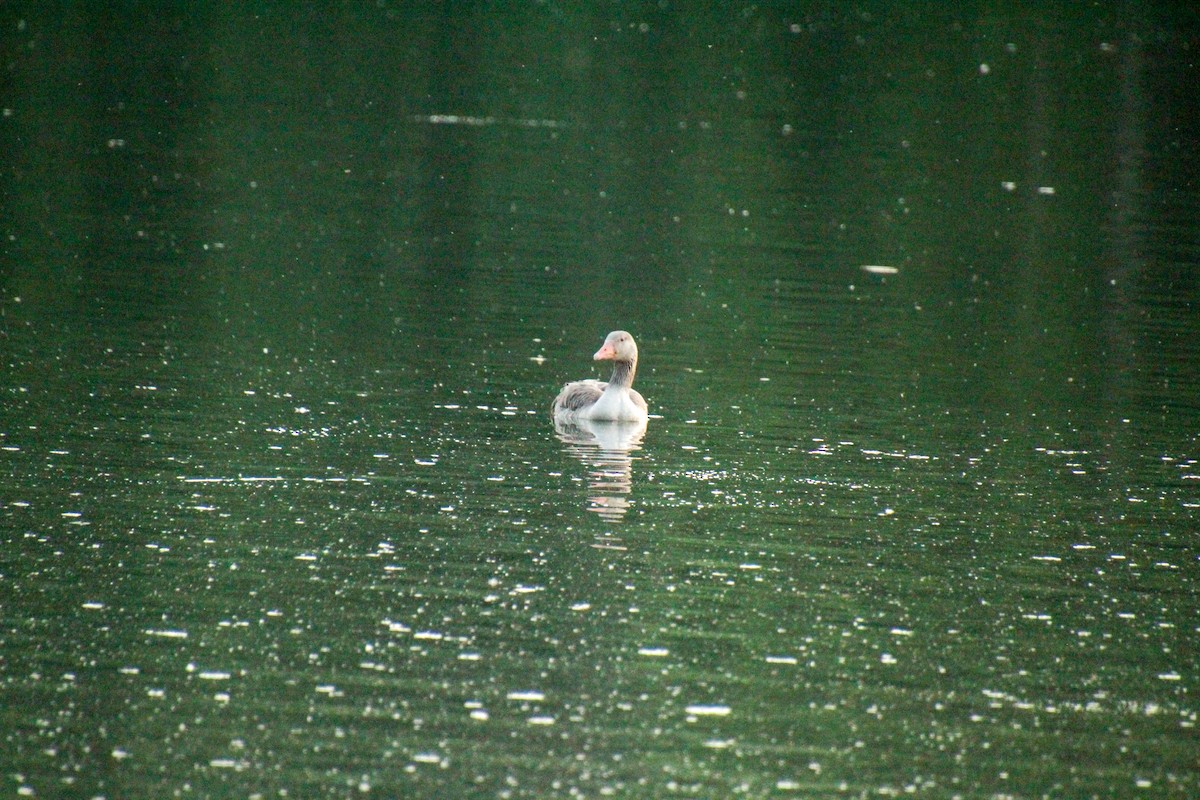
(623, 373)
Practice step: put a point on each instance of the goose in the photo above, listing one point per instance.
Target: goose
(615, 400)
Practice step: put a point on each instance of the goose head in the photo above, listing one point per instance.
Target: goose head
(618, 346)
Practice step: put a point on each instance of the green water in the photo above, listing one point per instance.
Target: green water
(285, 297)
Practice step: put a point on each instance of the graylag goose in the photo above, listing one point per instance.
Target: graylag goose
(616, 400)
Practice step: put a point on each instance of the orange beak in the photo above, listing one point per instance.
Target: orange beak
(607, 351)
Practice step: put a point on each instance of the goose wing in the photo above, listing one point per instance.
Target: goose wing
(578, 395)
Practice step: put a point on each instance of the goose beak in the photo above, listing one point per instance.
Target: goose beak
(607, 351)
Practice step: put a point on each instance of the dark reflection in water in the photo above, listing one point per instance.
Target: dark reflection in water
(605, 449)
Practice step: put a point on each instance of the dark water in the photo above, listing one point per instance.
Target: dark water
(284, 298)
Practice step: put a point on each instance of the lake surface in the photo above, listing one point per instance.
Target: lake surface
(285, 297)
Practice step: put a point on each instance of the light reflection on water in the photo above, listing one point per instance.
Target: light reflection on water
(788, 608)
(792, 613)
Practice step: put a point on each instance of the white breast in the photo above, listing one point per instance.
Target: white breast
(617, 403)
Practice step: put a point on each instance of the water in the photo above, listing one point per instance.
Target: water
(284, 302)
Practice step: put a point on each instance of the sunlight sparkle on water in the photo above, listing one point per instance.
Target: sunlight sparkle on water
(704, 710)
(654, 652)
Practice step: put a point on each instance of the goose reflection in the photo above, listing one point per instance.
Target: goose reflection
(605, 448)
